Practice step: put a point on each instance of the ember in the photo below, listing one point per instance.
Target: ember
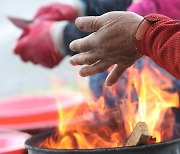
(92, 125)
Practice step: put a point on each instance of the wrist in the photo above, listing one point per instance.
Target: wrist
(133, 32)
(141, 30)
(57, 32)
(140, 33)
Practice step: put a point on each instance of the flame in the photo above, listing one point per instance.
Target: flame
(92, 125)
(154, 103)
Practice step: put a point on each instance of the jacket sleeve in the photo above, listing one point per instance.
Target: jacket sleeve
(161, 42)
(71, 33)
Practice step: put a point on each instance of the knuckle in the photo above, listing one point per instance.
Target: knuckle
(100, 69)
(78, 59)
(83, 44)
(87, 60)
(78, 45)
(94, 24)
(103, 46)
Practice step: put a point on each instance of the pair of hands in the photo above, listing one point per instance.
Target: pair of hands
(112, 43)
(36, 44)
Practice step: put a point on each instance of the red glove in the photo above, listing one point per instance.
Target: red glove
(56, 12)
(36, 45)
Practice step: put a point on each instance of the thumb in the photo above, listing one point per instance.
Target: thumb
(88, 24)
(94, 23)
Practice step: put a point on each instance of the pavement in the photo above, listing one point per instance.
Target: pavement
(17, 77)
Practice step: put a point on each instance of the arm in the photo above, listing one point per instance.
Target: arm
(161, 42)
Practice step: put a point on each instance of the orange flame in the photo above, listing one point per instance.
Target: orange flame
(91, 125)
(154, 103)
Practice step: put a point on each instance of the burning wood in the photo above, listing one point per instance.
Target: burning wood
(140, 136)
(144, 100)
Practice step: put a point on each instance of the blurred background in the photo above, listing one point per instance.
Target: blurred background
(17, 77)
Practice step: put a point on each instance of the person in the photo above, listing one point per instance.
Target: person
(46, 41)
(66, 32)
(120, 38)
(51, 38)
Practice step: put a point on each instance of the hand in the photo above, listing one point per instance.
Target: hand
(56, 12)
(36, 45)
(112, 42)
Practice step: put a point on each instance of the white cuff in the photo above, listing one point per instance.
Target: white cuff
(57, 35)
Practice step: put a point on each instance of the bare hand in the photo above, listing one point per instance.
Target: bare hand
(111, 43)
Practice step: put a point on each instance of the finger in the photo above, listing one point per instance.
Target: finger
(85, 44)
(88, 24)
(88, 58)
(96, 68)
(114, 75)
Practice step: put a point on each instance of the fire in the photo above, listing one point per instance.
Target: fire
(92, 125)
(154, 103)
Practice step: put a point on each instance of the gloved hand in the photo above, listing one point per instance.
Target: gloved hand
(56, 12)
(36, 44)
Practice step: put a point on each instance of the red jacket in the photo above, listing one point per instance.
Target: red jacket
(161, 42)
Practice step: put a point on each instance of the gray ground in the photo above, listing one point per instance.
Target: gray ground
(17, 77)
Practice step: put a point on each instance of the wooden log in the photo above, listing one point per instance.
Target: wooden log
(139, 136)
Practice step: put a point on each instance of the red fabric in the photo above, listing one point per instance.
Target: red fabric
(35, 44)
(56, 12)
(161, 42)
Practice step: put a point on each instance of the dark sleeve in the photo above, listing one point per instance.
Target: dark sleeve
(161, 42)
(71, 32)
(99, 7)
